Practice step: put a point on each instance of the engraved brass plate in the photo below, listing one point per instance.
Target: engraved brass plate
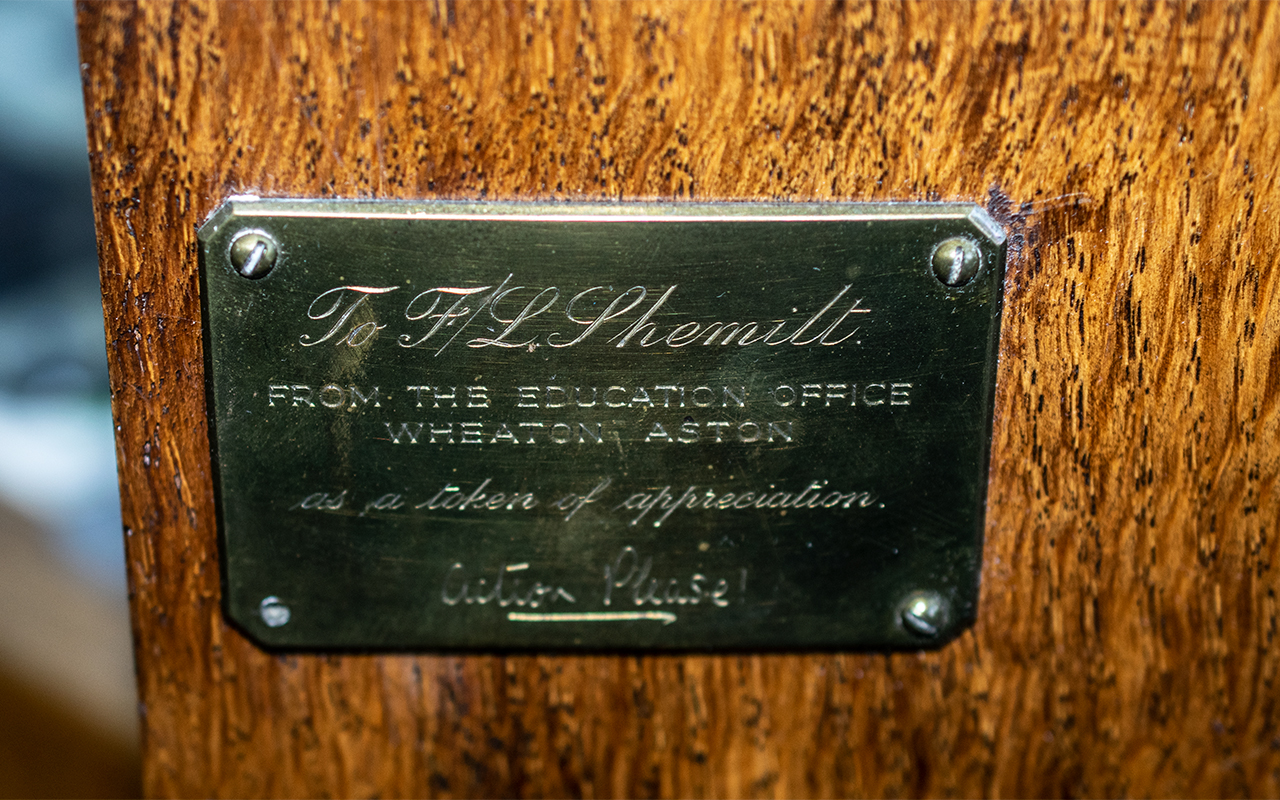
(600, 427)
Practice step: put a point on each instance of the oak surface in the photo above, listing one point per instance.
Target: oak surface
(1127, 634)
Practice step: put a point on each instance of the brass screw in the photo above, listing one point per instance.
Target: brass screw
(273, 612)
(956, 261)
(925, 613)
(253, 253)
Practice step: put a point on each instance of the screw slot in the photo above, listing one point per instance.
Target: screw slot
(253, 253)
(956, 261)
(925, 613)
(273, 612)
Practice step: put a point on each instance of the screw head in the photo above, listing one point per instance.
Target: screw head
(273, 612)
(925, 613)
(956, 261)
(253, 253)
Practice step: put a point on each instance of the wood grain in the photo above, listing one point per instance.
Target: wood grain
(1127, 635)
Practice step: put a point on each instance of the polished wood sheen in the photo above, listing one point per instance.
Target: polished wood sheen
(1126, 641)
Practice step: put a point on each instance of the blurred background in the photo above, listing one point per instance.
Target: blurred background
(68, 704)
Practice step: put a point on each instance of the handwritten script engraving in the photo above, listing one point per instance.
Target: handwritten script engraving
(635, 505)
(623, 319)
(630, 579)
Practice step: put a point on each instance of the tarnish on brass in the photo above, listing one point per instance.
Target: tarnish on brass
(642, 427)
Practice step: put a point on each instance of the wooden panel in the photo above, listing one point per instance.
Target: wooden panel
(1126, 641)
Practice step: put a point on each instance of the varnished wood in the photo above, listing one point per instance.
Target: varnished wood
(1127, 634)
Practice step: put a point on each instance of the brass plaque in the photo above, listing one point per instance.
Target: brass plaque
(476, 426)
